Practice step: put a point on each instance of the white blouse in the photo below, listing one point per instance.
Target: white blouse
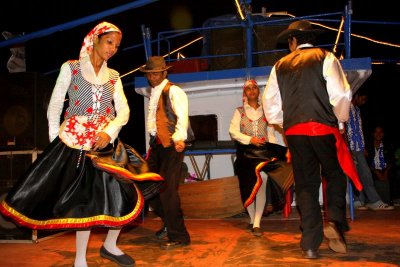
(253, 114)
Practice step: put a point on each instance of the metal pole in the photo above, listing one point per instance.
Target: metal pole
(249, 34)
(347, 29)
(75, 23)
(146, 41)
(249, 42)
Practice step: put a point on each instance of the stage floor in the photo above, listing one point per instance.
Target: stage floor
(374, 240)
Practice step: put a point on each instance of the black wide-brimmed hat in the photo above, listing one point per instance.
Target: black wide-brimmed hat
(296, 28)
(155, 64)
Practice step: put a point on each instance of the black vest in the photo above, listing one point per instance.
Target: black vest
(303, 88)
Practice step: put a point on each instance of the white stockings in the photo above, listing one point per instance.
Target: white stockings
(82, 239)
(256, 209)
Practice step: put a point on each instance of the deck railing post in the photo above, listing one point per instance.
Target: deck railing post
(347, 29)
(146, 41)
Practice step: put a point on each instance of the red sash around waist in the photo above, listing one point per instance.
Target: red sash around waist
(343, 153)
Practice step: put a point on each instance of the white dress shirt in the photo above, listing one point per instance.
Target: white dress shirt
(179, 102)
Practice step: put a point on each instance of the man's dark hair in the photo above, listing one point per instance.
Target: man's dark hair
(305, 38)
(361, 93)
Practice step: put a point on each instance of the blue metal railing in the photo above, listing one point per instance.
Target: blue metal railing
(74, 23)
(168, 36)
(248, 25)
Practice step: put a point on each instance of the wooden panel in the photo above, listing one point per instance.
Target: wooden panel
(215, 198)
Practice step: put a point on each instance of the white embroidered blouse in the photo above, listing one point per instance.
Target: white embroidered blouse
(74, 131)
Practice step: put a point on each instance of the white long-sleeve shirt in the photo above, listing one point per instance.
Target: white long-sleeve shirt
(253, 114)
(179, 102)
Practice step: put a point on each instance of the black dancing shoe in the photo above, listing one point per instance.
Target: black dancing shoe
(174, 244)
(123, 260)
(310, 254)
(336, 241)
(160, 234)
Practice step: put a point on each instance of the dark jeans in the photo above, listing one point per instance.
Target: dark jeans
(167, 205)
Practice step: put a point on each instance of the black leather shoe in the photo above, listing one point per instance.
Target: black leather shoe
(336, 241)
(174, 244)
(310, 254)
(122, 260)
(160, 234)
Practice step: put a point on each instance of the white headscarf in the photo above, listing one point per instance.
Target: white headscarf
(87, 45)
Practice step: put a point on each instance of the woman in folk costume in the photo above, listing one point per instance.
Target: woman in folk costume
(256, 154)
(62, 189)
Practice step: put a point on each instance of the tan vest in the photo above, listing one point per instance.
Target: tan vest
(165, 118)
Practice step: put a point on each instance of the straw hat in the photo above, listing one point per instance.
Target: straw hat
(155, 64)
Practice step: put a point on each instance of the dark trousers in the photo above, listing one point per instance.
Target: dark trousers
(167, 205)
(313, 157)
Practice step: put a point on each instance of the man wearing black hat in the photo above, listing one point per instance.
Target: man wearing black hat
(167, 124)
(308, 95)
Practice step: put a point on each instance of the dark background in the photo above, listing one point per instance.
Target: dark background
(46, 54)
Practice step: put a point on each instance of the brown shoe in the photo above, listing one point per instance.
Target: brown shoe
(174, 244)
(257, 231)
(336, 241)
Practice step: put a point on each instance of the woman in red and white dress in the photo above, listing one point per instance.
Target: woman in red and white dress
(257, 143)
(62, 189)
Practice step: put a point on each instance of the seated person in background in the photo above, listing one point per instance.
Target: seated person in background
(381, 162)
(250, 130)
(368, 198)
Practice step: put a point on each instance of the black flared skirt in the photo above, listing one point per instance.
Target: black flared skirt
(55, 194)
(251, 161)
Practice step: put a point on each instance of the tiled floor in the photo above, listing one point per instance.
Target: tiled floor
(374, 240)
